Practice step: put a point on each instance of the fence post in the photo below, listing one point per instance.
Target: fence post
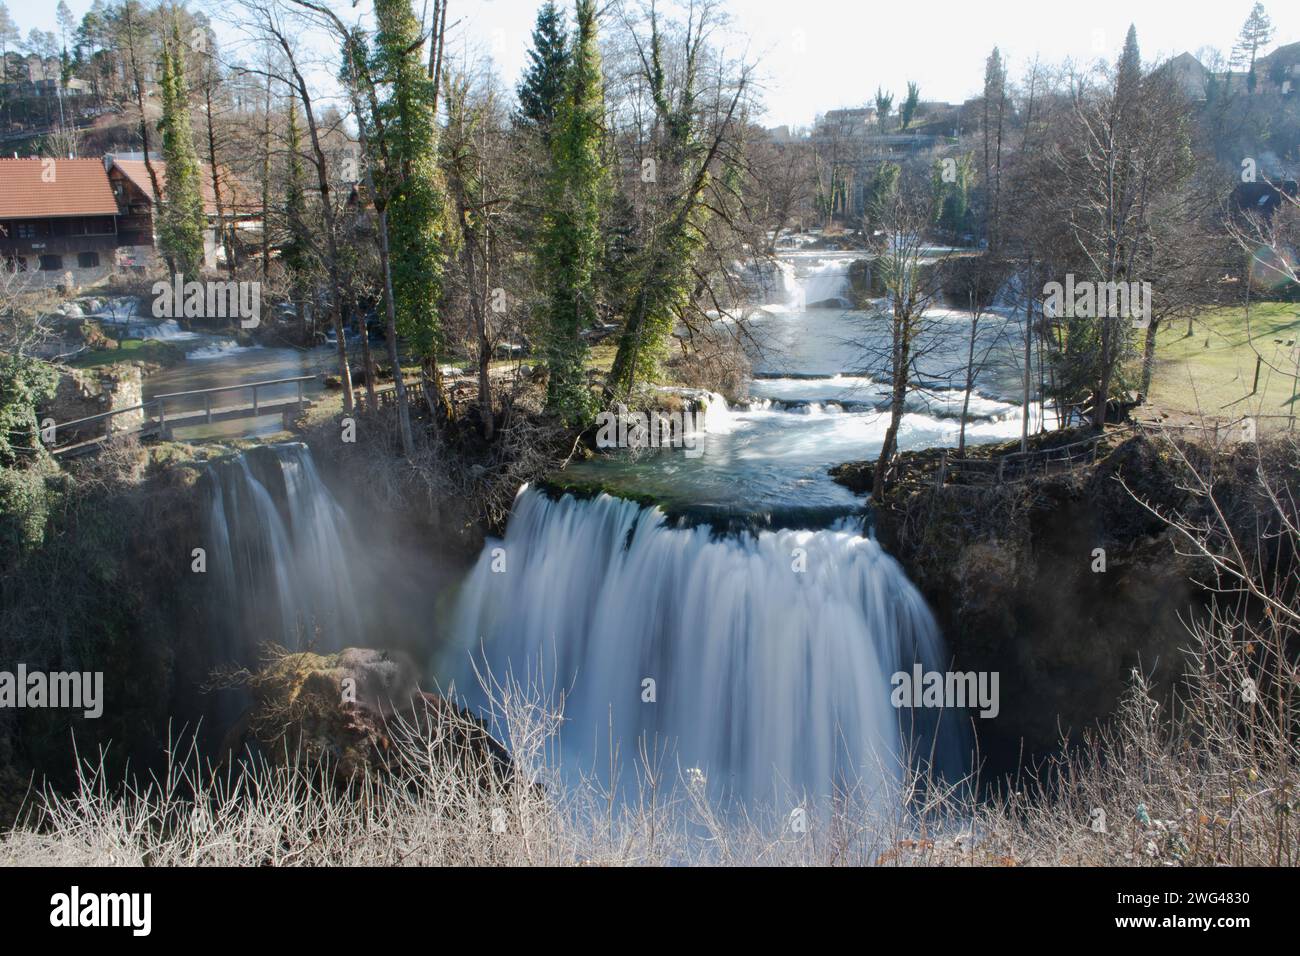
(943, 468)
(300, 396)
(254, 401)
(162, 420)
(207, 407)
(1002, 463)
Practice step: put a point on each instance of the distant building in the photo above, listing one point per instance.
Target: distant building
(1190, 74)
(1278, 74)
(74, 222)
(845, 124)
(58, 219)
(129, 176)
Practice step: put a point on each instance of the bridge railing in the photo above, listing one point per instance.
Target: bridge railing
(1019, 465)
(158, 405)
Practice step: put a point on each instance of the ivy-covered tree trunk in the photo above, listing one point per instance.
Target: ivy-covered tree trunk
(181, 221)
(413, 182)
(571, 241)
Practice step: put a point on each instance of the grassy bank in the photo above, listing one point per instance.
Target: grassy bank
(130, 350)
(1211, 373)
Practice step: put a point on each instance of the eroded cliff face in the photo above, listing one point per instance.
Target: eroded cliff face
(1064, 583)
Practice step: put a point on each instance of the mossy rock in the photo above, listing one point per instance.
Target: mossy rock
(342, 712)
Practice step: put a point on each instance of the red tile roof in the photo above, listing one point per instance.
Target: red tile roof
(234, 197)
(72, 187)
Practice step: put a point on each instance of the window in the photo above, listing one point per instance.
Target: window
(87, 260)
(25, 230)
(97, 226)
(51, 263)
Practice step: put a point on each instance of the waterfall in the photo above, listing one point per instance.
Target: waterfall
(796, 283)
(825, 282)
(278, 547)
(769, 680)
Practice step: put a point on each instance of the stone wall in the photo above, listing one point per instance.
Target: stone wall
(82, 393)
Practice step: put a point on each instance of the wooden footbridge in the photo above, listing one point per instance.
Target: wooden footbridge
(154, 419)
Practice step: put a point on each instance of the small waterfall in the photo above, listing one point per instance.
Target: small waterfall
(769, 680)
(278, 548)
(222, 349)
(1010, 294)
(825, 282)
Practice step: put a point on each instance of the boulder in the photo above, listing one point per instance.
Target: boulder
(349, 711)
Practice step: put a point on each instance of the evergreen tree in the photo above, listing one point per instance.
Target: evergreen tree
(411, 179)
(1128, 79)
(952, 194)
(571, 239)
(908, 110)
(10, 37)
(180, 220)
(542, 86)
(1256, 33)
(994, 109)
(884, 103)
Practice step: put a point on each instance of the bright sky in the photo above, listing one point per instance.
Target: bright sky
(816, 55)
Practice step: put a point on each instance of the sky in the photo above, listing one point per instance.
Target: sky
(815, 55)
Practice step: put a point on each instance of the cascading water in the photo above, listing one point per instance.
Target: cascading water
(278, 547)
(822, 283)
(771, 654)
(800, 281)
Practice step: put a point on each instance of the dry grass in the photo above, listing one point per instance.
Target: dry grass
(1147, 792)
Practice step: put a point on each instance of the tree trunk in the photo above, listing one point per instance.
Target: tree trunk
(331, 230)
(266, 187)
(222, 233)
(367, 357)
(399, 387)
(897, 401)
(970, 383)
(1029, 354)
(1148, 358)
(1103, 387)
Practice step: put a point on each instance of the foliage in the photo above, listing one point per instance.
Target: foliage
(576, 194)
(180, 221)
(952, 194)
(907, 111)
(542, 88)
(410, 177)
(24, 383)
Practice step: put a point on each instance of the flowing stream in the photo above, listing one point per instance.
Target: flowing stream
(744, 629)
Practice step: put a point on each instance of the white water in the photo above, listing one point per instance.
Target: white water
(278, 546)
(773, 682)
(137, 327)
(816, 281)
(226, 348)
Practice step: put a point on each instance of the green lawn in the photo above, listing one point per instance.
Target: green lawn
(1212, 372)
(131, 350)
